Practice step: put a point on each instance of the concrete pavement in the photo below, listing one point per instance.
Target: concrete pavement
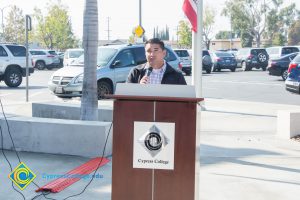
(241, 158)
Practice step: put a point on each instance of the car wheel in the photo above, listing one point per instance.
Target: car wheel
(264, 68)
(245, 67)
(214, 69)
(206, 60)
(284, 74)
(40, 65)
(233, 69)
(262, 57)
(103, 89)
(208, 71)
(13, 77)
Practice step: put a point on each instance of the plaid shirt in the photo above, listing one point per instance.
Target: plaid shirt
(157, 75)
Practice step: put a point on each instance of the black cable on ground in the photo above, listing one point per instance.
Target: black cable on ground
(17, 153)
(3, 152)
(93, 176)
(103, 152)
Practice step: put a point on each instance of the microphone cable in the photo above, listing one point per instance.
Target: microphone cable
(14, 148)
(93, 176)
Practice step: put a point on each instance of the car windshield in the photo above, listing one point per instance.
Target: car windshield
(52, 52)
(104, 56)
(17, 51)
(182, 53)
(223, 54)
(75, 54)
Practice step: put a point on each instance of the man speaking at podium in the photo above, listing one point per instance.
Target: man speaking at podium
(156, 70)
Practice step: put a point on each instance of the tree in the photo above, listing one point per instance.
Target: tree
(14, 30)
(55, 29)
(185, 34)
(257, 18)
(223, 35)
(278, 22)
(248, 16)
(208, 22)
(131, 39)
(89, 100)
(247, 39)
(278, 39)
(294, 36)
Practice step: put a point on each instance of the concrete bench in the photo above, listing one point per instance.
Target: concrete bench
(67, 111)
(57, 136)
(288, 124)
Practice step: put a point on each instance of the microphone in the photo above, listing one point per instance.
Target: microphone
(149, 70)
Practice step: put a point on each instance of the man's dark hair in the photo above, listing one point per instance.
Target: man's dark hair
(156, 41)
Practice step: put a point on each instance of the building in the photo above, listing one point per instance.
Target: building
(221, 44)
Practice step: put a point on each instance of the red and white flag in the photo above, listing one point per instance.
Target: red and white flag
(189, 8)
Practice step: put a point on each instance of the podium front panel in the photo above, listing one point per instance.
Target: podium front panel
(130, 183)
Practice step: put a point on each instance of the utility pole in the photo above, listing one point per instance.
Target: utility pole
(139, 38)
(108, 30)
(230, 33)
(140, 13)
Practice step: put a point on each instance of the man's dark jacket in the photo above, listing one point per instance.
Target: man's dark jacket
(171, 76)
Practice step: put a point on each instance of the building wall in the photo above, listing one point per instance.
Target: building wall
(225, 44)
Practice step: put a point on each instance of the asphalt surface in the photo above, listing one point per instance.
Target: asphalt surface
(254, 86)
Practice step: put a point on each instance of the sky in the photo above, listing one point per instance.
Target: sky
(123, 15)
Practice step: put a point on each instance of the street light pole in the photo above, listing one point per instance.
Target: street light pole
(140, 12)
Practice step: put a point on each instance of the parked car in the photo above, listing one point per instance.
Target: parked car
(279, 66)
(233, 51)
(277, 52)
(292, 83)
(71, 55)
(114, 63)
(223, 60)
(185, 60)
(43, 58)
(206, 61)
(13, 64)
(61, 58)
(249, 58)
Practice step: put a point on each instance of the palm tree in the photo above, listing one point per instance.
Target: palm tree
(89, 100)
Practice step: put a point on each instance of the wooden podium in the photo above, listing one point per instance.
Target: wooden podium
(130, 183)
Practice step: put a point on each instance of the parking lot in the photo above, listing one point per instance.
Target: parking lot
(256, 86)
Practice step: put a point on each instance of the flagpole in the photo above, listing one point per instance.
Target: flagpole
(197, 52)
(197, 82)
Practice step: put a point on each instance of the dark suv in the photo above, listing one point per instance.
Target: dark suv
(206, 61)
(249, 58)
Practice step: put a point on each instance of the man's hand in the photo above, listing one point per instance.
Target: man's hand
(144, 80)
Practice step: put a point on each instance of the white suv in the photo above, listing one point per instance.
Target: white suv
(13, 64)
(44, 58)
